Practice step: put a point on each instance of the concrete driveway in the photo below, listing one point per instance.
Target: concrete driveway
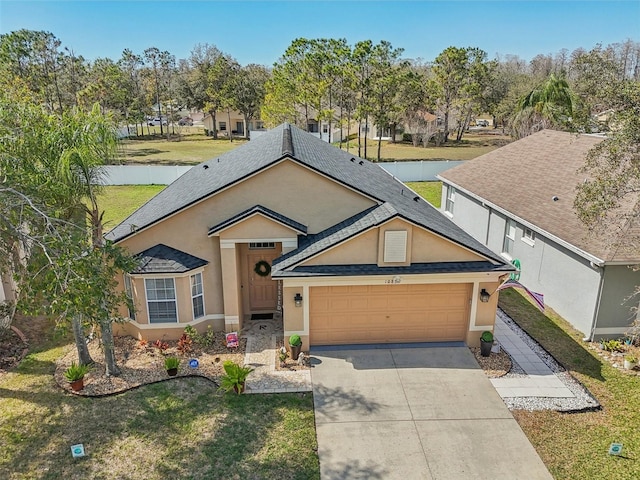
(414, 413)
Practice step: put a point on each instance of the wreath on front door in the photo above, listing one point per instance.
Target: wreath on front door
(262, 268)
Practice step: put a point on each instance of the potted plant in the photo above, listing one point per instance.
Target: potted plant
(630, 362)
(171, 364)
(295, 345)
(75, 375)
(486, 342)
(235, 377)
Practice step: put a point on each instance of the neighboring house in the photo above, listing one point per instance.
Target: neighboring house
(288, 224)
(518, 201)
(236, 125)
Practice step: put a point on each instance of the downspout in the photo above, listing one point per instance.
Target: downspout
(597, 310)
(486, 240)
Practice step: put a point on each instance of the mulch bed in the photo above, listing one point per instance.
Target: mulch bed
(141, 363)
(495, 365)
(289, 364)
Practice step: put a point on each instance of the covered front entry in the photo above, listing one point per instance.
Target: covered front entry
(389, 313)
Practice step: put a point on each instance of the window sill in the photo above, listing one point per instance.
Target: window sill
(528, 241)
(448, 214)
(506, 256)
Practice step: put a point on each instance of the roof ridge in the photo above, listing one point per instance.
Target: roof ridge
(287, 141)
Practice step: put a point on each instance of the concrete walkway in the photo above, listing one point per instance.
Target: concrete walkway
(540, 380)
(261, 354)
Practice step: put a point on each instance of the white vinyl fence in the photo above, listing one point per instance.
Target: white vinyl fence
(417, 171)
(143, 174)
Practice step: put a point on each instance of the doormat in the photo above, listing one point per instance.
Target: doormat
(262, 316)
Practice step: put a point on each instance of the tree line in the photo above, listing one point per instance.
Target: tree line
(366, 84)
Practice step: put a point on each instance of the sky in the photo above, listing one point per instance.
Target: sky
(260, 32)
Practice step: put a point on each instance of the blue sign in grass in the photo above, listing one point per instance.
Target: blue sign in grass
(193, 363)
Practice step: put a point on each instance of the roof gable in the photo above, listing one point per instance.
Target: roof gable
(258, 210)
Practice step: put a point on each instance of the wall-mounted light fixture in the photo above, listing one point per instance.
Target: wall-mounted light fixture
(484, 296)
(298, 300)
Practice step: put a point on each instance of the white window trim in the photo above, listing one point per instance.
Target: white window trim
(175, 300)
(450, 197)
(204, 312)
(529, 240)
(508, 223)
(128, 288)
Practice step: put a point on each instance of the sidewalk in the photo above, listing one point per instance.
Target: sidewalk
(540, 380)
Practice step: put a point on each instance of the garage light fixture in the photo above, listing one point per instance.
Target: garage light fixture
(298, 300)
(484, 296)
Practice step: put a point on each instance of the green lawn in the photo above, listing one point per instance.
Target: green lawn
(190, 150)
(575, 446)
(471, 146)
(181, 428)
(120, 201)
(430, 191)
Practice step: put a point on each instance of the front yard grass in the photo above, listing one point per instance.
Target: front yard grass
(182, 428)
(575, 446)
(472, 145)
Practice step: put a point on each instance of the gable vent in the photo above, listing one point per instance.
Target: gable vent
(395, 246)
(287, 141)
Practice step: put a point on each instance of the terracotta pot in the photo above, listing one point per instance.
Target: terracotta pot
(172, 372)
(239, 388)
(77, 385)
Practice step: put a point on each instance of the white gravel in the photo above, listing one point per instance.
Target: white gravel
(583, 399)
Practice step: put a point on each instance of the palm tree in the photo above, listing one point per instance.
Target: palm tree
(550, 105)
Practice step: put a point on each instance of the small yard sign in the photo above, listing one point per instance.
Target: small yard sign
(193, 363)
(77, 450)
(232, 340)
(615, 449)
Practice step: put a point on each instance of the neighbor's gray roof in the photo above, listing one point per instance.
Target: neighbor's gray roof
(163, 259)
(523, 178)
(288, 141)
(267, 212)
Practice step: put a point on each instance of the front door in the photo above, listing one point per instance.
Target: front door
(263, 292)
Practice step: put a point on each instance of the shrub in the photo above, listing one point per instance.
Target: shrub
(295, 340)
(612, 346)
(76, 371)
(487, 336)
(235, 377)
(160, 345)
(185, 344)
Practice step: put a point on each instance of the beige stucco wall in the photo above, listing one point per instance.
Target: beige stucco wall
(325, 203)
(368, 248)
(362, 249)
(428, 247)
(293, 316)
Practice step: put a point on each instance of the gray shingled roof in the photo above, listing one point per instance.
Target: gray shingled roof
(524, 177)
(267, 212)
(163, 259)
(288, 141)
(373, 269)
(336, 234)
